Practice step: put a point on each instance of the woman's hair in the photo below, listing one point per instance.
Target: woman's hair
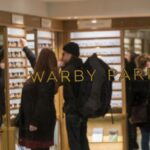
(141, 61)
(47, 63)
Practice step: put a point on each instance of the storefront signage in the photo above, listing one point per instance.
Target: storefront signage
(17, 19)
(46, 23)
(95, 24)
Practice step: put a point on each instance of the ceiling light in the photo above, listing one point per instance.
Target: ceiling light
(75, 17)
(69, 17)
(94, 21)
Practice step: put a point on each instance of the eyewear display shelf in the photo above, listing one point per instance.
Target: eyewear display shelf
(134, 44)
(19, 68)
(37, 40)
(45, 39)
(16, 63)
(108, 45)
(31, 39)
(138, 45)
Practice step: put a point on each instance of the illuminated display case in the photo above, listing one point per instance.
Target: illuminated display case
(31, 39)
(45, 39)
(17, 68)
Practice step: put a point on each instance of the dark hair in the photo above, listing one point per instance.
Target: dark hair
(47, 62)
(141, 61)
(72, 48)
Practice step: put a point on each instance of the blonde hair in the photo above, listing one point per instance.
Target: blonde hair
(141, 61)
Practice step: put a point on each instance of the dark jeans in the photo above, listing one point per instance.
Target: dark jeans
(145, 138)
(132, 137)
(77, 132)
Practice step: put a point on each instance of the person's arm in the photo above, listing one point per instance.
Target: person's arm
(30, 55)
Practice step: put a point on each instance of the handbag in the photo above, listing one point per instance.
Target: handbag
(140, 113)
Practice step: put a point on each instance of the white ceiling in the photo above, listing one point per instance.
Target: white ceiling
(99, 8)
(62, 0)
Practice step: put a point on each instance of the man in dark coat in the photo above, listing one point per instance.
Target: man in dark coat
(2, 94)
(76, 124)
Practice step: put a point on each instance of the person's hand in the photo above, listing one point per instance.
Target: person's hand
(23, 43)
(60, 64)
(2, 65)
(32, 128)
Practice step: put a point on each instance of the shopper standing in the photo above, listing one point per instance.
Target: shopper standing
(140, 108)
(132, 129)
(76, 124)
(2, 83)
(37, 111)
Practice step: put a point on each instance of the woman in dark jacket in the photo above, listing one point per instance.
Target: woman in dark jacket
(140, 96)
(37, 111)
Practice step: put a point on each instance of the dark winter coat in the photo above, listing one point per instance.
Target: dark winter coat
(37, 108)
(129, 66)
(71, 89)
(140, 94)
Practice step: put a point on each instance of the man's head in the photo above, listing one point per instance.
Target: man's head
(70, 50)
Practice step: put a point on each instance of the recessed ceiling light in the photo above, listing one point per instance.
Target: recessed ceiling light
(75, 17)
(69, 17)
(94, 21)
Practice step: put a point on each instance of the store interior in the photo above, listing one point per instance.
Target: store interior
(49, 24)
(137, 41)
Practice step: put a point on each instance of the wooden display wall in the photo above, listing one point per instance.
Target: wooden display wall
(39, 32)
(104, 37)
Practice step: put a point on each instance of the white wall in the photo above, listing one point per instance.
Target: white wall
(84, 8)
(33, 7)
(101, 8)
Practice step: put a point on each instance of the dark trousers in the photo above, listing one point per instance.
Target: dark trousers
(77, 132)
(132, 136)
(145, 138)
